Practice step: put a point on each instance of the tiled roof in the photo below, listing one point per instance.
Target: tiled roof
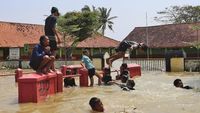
(18, 34)
(97, 41)
(172, 35)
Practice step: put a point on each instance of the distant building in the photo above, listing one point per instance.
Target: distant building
(97, 45)
(163, 38)
(18, 39)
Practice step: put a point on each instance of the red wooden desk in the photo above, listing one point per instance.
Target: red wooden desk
(34, 87)
(134, 69)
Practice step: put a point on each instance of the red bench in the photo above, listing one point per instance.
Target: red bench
(76, 71)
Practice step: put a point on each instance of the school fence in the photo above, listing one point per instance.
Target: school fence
(159, 64)
(148, 64)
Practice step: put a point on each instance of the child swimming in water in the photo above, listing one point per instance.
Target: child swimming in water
(96, 104)
(179, 84)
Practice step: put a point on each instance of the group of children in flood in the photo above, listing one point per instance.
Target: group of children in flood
(42, 61)
(126, 84)
(97, 105)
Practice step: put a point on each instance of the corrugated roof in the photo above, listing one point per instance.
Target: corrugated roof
(172, 35)
(18, 34)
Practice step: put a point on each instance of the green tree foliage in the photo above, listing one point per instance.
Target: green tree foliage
(82, 24)
(79, 25)
(178, 14)
(105, 20)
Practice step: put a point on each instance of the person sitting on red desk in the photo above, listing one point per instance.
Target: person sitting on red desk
(121, 49)
(41, 60)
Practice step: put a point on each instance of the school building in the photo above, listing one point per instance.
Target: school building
(163, 38)
(18, 39)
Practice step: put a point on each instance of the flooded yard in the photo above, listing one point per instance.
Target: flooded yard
(154, 93)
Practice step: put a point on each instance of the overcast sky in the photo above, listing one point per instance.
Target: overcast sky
(130, 13)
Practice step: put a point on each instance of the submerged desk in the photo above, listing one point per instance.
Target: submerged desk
(36, 87)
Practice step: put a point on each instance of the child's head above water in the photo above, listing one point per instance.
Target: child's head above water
(124, 65)
(96, 104)
(178, 83)
(106, 70)
(130, 84)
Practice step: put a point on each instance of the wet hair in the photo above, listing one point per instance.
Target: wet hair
(93, 101)
(106, 70)
(124, 65)
(130, 84)
(176, 82)
(42, 39)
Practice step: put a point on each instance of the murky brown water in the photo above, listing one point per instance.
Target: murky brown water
(154, 93)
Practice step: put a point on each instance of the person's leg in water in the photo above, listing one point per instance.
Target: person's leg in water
(115, 57)
(91, 73)
(97, 73)
(91, 81)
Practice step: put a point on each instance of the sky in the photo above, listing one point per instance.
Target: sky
(130, 13)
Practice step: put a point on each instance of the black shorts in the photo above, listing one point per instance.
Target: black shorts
(35, 64)
(91, 72)
(53, 45)
(123, 46)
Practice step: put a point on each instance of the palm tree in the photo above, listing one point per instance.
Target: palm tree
(86, 8)
(105, 19)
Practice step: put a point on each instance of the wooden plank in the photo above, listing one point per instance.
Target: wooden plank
(68, 76)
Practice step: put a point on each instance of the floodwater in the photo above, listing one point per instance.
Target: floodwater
(154, 93)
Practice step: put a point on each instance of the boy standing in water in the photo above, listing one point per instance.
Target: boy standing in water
(87, 63)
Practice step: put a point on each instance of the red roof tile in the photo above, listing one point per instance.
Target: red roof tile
(18, 34)
(172, 35)
(97, 41)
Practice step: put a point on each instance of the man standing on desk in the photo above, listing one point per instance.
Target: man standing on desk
(50, 30)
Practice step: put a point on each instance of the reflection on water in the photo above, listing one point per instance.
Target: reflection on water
(154, 93)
